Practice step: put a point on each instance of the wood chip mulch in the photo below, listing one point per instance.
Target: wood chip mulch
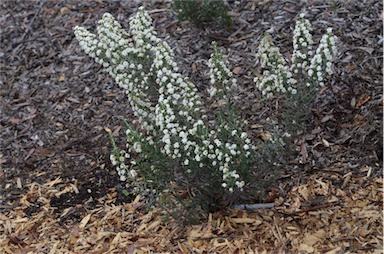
(60, 194)
(339, 214)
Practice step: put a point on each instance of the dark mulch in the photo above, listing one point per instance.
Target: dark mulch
(56, 102)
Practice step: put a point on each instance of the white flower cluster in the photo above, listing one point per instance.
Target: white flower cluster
(228, 155)
(302, 46)
(321, 63)
(277, 78)
(119, 160)
(238, 146)
(116, 52)
(167, 106)
(219, 75)
(306, 66)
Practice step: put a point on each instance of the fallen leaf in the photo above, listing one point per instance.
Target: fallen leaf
(243, 220)
(306, 248)
(14, 120)
(358, 119)
(303, 190)
(65, 11)
(304, 152)
(233, 14)
(272, 195)
(74, 233)
(19, 184)
(73, 153)
(362, 203)
(182, 247)
(28, 117)
(326, 118)
(320, 233)
(153, 225)
(117, 238)
(236, 70)
(161, 20)
(32, 110)
(325, 142)
(84, 221)
(115, 133)
(290, 10)
(71, 99)
(45, 152)
(362, 100)
(351, 67)
(265, 136)
(29, 153)
(193, 66)
(52, 183)
(218, 103)
(310, 240)
(255, 126)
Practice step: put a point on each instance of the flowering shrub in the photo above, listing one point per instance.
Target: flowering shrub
(307, 72)
(171, 145)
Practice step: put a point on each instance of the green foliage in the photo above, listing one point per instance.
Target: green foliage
(203, 12)
(296, 115)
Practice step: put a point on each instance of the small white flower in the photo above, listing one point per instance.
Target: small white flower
(240, 184)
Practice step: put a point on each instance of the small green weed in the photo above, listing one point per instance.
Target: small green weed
(203, 12)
